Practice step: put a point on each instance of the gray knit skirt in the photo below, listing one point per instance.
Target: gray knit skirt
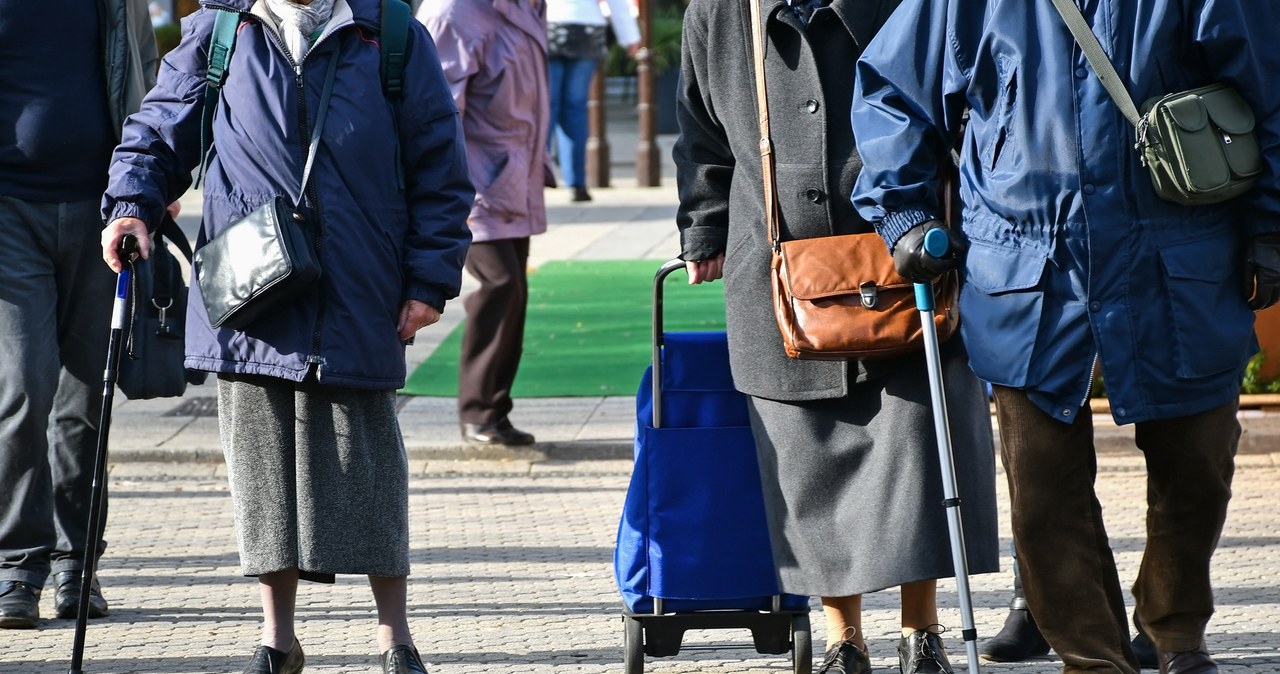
(319, 477)
(853, 488)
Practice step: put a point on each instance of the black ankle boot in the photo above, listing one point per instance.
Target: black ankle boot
(1018, 640)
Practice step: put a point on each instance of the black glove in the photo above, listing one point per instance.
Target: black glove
(1262, 271)
(911, 261)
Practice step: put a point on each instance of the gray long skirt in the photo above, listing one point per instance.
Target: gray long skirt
(853, 488)
(319, 478)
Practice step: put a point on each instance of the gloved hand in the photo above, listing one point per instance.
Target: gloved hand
(911, 260)
(1262, 271)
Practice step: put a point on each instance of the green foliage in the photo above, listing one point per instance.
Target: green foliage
(167, 36)
(1253, 382)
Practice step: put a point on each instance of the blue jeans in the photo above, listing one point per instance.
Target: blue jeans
(570, 88)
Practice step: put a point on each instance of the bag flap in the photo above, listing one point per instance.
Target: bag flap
(1228, 110)
(1187, 112)
(830, 266)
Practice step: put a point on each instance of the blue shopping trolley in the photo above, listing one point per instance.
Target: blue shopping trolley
(693, 547)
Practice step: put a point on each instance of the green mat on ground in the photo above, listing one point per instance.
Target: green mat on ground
(588, 331)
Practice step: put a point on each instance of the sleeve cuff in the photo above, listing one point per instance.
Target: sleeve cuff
(895, 224)
(426, 294)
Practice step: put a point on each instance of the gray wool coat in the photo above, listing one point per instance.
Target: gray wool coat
(719, 179)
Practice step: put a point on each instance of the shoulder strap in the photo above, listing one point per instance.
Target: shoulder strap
(1098, 59)
(394, 35)
(766, 144)
(392, 41)
(221, 45)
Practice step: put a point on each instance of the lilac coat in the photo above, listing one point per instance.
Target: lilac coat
(494, 55)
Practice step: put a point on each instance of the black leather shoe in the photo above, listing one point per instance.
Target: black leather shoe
(845, 658)
(66, 599)
(19, 605)
(921, 652)
(499, 433)
(267, 660)
(1018, 640)
(581, 194)
(402, 660)
(1142, 646)
(1187, 662)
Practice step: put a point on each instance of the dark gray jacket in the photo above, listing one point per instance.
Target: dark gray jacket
(131, 57)
(810, 79)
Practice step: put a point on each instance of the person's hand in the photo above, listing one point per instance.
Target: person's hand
(174, 209)
(633, 49)
(705, 270)
(114, 233)
(1262, 271)
(414, 316)
(918, 266)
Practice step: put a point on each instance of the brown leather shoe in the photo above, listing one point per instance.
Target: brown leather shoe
(1187, 662)
(498, 433)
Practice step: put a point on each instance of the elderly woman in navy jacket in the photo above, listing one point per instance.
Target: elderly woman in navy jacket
(306, 394)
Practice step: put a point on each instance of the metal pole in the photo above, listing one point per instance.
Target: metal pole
(648, 160)
(597, 134)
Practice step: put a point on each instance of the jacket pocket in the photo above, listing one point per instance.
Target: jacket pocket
(1002, 138)
(500, 173)
(1000, 306)
(1212, 323)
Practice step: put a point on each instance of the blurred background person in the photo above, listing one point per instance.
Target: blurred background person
(576, 44)
(494, 56)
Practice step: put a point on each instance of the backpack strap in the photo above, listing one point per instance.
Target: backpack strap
(394, 36)
(221, 45)
(392, 40)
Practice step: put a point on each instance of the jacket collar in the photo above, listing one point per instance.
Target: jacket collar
(364, 12)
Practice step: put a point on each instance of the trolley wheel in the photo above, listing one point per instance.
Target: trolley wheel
(633, 645)
(801, 645)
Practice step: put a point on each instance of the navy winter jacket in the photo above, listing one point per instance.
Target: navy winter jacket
(1073, 256)
(379, 245)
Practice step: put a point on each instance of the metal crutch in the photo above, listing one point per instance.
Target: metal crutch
(97, 499)
(937, 244)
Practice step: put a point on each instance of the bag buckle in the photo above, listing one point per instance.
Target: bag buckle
(868, 292)
(163, 329)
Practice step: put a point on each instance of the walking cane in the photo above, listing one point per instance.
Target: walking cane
(937, 244)
(98, 495)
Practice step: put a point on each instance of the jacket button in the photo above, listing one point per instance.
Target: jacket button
(1082, 72)
(813, 195)
(811, 105)
(1089, 188)
(1095, 306)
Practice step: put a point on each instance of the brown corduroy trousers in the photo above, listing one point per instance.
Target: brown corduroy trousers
(1068, 570)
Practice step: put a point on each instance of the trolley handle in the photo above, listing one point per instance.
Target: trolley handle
(663, 271)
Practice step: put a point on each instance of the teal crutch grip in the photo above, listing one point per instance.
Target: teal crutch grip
(936, 244)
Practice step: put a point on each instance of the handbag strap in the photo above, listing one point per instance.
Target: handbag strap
(766, 144)
(318, 127)
(1097, 58)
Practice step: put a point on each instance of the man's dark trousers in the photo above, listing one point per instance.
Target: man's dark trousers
(55, 313)
(1068, 571)
(493, 335)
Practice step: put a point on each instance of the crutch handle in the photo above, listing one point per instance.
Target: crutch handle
(936, 242)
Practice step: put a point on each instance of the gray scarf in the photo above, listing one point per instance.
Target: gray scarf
(298, 22)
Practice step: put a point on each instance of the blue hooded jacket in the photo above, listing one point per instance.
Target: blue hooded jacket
(379, 245)
(1073, 257)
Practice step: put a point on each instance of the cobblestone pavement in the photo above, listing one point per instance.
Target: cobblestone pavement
(512, 572)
